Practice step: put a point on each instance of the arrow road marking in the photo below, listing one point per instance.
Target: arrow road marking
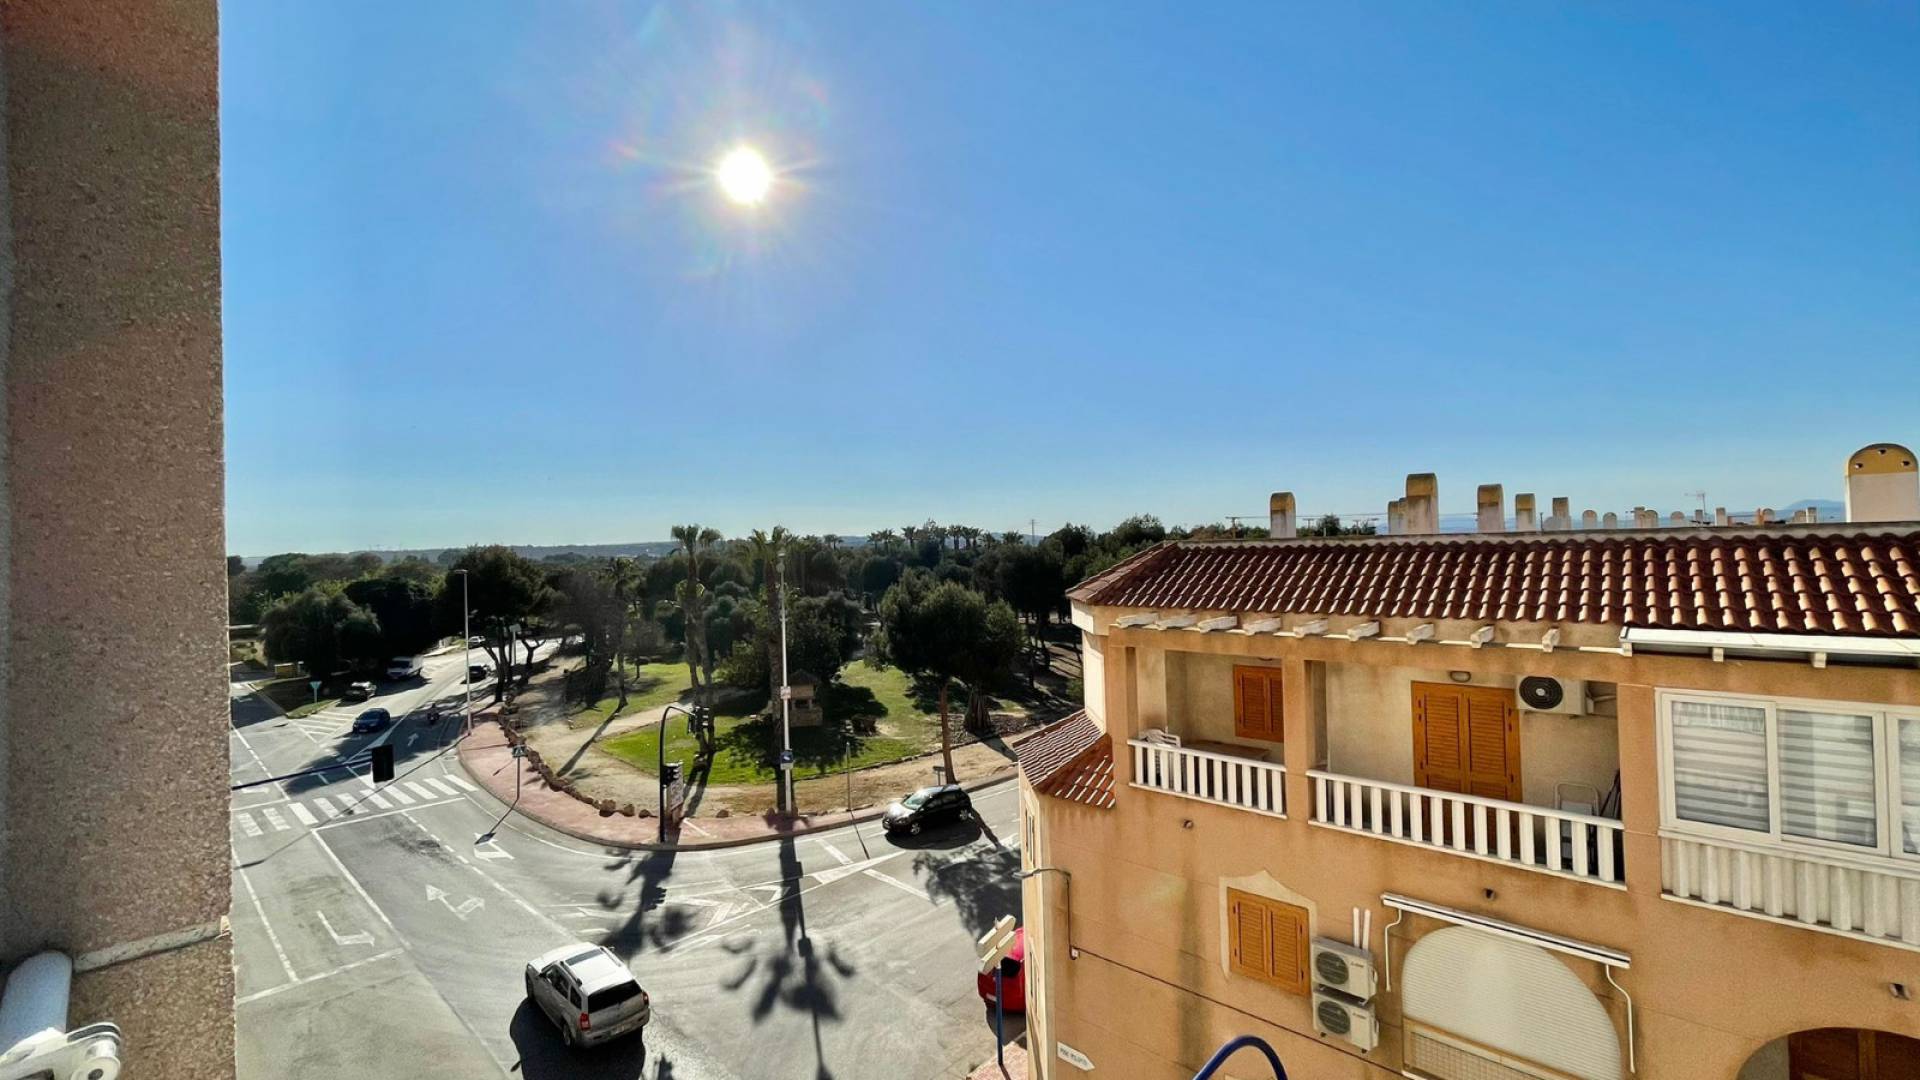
(362, 938)
(467, 907)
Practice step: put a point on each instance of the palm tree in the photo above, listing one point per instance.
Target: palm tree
(695, 540)
(883, 538)
(764, 552)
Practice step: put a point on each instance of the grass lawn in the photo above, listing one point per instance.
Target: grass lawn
(295, 697)
(652, 686)
(884, 700)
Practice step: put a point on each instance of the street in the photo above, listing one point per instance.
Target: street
(384, 932)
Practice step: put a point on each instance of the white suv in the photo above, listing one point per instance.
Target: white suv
(589, 993)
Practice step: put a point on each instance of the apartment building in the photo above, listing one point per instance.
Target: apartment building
(1558, 798)
(114, 852)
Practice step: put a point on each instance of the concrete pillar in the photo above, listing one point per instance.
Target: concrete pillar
(1883, 484)
(1280, 521)
(1422, 504)
(1525, 518)
(1491, 509)
(1150, 694)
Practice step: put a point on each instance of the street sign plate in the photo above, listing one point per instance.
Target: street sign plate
(315, 684)
(786, 759)
(519, 749)
(1073, 1057)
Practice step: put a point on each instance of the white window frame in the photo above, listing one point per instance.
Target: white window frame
(1886, 749)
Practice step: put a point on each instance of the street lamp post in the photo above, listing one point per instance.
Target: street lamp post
(466, 644)
(786, 698)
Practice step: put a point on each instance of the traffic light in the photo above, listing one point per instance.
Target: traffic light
(382, 763)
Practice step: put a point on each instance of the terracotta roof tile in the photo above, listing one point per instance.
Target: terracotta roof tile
(1845, 582)
(1071, 760)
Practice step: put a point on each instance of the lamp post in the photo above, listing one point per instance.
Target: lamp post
(786, 697)
(466, 645)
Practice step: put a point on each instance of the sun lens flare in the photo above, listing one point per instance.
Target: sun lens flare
(745, 176)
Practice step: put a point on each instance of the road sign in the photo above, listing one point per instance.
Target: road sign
(1073, 1057)
(996, 943)
(315, 683)
(519, 749)
(786, 759)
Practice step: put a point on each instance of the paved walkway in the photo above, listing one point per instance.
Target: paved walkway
(489, 760)
(1016, 1056)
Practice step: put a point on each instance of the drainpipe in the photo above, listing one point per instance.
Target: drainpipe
(34, 1040)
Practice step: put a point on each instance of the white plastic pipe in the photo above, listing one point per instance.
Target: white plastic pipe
(35, 1001)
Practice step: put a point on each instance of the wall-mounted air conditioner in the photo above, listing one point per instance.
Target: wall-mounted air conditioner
(1343, 967)
(1542, 693)
(1337, 1014)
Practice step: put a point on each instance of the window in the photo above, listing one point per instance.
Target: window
(1822, 773)
(1257, 703)
(1267, 940)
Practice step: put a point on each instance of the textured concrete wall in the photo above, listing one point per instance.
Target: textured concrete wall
(116, 706)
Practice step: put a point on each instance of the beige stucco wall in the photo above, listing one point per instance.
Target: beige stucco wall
(115, 701)
(1148, 996)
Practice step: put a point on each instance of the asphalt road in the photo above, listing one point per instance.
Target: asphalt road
(383, 932)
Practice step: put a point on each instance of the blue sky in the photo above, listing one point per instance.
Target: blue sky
(1060, 261)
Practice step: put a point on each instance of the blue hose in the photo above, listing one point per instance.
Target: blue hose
(1228, 1049)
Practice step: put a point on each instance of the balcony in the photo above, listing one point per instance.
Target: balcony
(1856, 897)
(1564, 843)
(1227, 776)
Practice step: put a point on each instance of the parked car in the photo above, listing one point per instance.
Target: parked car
(405, 667)
(371, 720)
(588, 992)
(927, 807)
(1013, 968)
(477, 641)
(359, 691)
(476, 672)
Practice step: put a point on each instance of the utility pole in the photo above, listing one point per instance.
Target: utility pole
(466, 644)
(786, 697)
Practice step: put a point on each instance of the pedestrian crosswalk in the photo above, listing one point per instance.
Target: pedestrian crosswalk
(308, 813)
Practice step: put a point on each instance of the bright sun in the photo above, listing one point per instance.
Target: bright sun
(744, 176)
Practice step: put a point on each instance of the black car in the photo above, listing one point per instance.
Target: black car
(926, 808)
(478, 672)
(371, 720)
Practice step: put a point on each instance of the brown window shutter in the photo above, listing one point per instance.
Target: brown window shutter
(1257, 703)
(1493, 743)
(1288, 934)
(1249, 935)
(1439, 737)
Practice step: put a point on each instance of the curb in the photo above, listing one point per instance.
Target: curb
(840, 820)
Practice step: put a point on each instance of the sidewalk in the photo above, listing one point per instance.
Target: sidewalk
(1016, 1055)
(489, 760)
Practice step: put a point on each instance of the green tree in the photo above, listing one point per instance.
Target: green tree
(403, 611)
(695, 541)
(1033, 579)
(505, 589)
(305, 627)
(950, 633)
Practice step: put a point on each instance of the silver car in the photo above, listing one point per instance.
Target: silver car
(589, 993)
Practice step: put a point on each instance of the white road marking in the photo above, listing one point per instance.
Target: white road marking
(274, 819)
(898, 884)
(839, 856)
(306, 816)
(247, 824)
(426, 793)
(467, 907)
(491, 850)
(388, 955)
(264, 771)
(440, 785)
(379, 800)
(357, 887)
(364, 937)
(399, 796)
(326, 807)
(461, 784)
(285, 964)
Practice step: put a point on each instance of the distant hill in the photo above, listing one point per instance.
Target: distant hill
(1830, 509)
(538, 552)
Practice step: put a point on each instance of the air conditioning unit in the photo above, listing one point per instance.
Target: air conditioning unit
(1541, 693)
(1334, 1013)
(1343, 967)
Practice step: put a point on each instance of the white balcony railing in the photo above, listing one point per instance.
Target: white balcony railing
(1539, 838)
(1825, 892)
(1247, 784)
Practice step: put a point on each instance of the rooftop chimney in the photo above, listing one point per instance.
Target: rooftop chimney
(1423, 504)
(1720, 516)
(1611, 520)
(1589, 519)
(1396, 517)
(1524, 518)
(1280, 525)
(1562, 518)
(1492, 503)
(1883, 484)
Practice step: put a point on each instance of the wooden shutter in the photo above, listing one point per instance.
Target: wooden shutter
(1267, 940)
(1493, 743)
(1439, 743)
(1247, 936)
(1257, 704)
(1466, 739)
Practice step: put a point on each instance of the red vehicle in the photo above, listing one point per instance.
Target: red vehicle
(1016, 978)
